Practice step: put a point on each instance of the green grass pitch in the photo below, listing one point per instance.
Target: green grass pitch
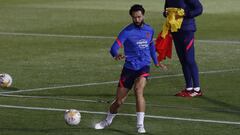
(58, 50)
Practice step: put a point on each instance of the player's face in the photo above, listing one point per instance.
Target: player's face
(137, 18)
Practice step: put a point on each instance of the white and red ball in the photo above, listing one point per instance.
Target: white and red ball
(5, 80)
(72, 117)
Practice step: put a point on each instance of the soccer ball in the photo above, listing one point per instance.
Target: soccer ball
(5, 80)
(72, 117)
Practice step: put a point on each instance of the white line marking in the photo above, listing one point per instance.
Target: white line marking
(55, 35)
(56, 98)
(127, 103)
(110, 82)
(219, 41)
(59, 87)
(99, 37)
(206, 72)
(125, 114)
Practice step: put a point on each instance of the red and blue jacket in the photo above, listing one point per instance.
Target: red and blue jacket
(138, 46)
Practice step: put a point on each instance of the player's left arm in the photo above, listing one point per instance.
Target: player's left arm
(195, 8)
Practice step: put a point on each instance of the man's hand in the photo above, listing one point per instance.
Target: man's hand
(162, 66)
(119, 57)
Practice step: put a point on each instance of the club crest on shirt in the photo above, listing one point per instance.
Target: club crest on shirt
(142, 43)
(148, 34)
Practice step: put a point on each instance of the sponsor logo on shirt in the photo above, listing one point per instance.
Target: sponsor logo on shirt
(143, 43)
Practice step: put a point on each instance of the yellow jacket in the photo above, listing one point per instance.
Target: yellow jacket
(172, 23)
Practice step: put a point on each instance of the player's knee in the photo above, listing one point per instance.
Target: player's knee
(138, 92)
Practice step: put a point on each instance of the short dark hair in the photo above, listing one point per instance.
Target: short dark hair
(135, 8)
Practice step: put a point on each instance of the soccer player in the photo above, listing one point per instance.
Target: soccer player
(184, 43)
(137, 41)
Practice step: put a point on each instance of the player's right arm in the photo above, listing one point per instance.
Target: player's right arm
(118, 43)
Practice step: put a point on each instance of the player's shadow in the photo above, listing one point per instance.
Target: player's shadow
(229, 108)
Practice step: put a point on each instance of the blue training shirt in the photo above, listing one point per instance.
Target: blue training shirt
(138, 46)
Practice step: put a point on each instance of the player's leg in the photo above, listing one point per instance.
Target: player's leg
(119, 100)
(140, 83)
(180, 49)
(125, 84)
(191, 63)
(138, 90)
(140, 103)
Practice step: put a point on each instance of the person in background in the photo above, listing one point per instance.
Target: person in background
(180, 22)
